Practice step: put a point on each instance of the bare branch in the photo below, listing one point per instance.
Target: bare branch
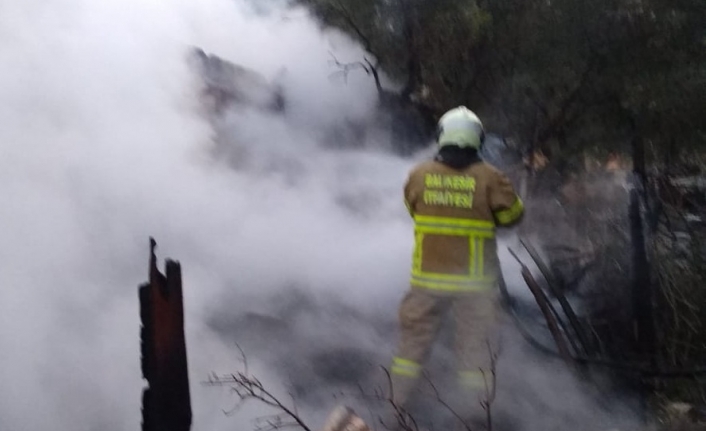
(243, 358)
(404, 419)
(374, 71)
(246, 388)
(490, 388)
(344, 13)
(370, 69)
(346, 68)
(446, 404)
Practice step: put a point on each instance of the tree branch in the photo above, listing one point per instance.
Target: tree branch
(247, 387)
(344, 13)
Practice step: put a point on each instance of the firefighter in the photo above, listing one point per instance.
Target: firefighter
(457, 201)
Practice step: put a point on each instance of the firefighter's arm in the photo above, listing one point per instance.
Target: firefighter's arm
(505, 203)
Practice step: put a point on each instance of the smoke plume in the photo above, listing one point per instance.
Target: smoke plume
(294, 246)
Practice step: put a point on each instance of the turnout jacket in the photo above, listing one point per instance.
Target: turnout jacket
(456, 212)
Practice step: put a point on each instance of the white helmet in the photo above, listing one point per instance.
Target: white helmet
(460, 127)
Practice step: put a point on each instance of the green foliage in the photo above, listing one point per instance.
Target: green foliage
(573, 78)
(564, 75)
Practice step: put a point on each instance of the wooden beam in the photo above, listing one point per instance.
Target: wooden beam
(166, 403)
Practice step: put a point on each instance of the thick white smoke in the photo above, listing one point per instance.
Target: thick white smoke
(102, 146)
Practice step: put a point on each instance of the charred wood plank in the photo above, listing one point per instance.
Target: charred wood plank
(547, 310)
(557, 293)
(166, 404)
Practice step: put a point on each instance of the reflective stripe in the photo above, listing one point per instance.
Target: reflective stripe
(511, 214)
(454, 231)
(404, 372)
(454, 226)
(471, 379)
(473, 261)
(405, 367)
(463, 278)
(468, 284)
(454, 221)
(480, 251)
(417, 258)
(477, 231)
(405, 362)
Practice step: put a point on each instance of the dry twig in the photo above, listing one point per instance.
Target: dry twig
(247, 387)
(490, 389)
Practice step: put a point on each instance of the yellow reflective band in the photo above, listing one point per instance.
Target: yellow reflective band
(405, 362)
(454, 226)
(477, 285)
(477, 231)
(463, 278)
(480, 250)
(454, 222)
(511, 214)
(472, 379)
(405, 367)
(401, 371)
(417, 257)
(454, 231)
(472, 264)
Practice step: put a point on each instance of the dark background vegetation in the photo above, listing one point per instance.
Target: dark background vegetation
(603, 103)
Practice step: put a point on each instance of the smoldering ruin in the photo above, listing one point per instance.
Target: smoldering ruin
(229, 135)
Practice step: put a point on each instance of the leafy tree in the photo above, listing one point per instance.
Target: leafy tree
(564, 76)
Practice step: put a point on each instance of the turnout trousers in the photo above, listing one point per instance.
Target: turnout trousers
(420, 315)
